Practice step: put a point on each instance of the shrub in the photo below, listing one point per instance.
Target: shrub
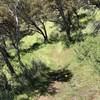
(89, 51)
(7, 95)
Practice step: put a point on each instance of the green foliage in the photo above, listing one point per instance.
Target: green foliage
(92, 28)
(7, 95)
(89, 51)
(97, 14)
(22, 97)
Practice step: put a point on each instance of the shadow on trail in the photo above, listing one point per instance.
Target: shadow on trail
(39, 78)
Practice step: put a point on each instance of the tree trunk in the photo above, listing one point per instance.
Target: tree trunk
(45, 31)
(16, 46)
(39, 30)
(17, 38)
(3, 41)
(65, 21)
(4, 53)
(75, 11)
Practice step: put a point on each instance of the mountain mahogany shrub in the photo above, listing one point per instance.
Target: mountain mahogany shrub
(89, 51)
(7, 95)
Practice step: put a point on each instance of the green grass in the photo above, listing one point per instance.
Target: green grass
(97, 15)
(84, 84)
(54, 55)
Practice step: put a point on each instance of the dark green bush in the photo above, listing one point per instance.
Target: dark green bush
(7, 95)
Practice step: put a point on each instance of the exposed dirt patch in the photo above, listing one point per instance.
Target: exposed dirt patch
(53, 88)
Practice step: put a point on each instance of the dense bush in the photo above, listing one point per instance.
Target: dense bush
(92, 28)
(5, 89)
(89, 51)
(7, 95)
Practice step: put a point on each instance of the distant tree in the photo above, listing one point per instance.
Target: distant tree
(4, 28)
(90, 2)
(61, 11)
(9, 29)
(31, 12)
